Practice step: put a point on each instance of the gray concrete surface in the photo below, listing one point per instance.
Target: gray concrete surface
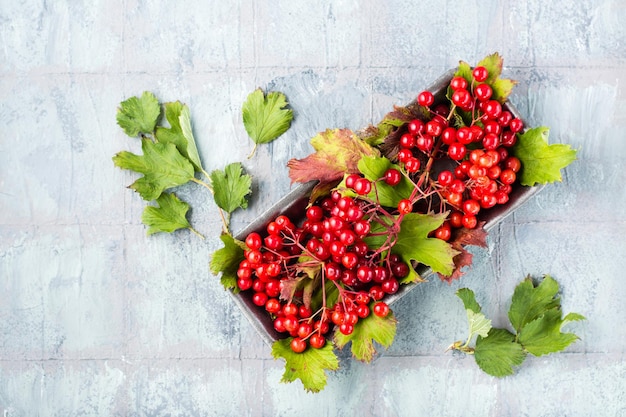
(97, 319)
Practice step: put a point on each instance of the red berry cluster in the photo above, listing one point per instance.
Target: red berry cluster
(331, 239)
(484, 171)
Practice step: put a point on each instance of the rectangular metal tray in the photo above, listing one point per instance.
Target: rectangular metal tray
(294, 203)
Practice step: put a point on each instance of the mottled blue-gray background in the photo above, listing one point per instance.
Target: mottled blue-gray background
(98, 319)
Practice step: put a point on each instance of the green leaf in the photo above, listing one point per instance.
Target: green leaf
(180, 133)
(226, 260)
(161, 164)
(265, 117)
(367, 331)
(309, 366)
(338, 151)
(541, 163)
(530, 302)
(169, 216)
(478, 324)
(413, 243)
(373, 168)
(543, 335)
(139, 114)
(498, 353)
(469, 300)
(231, 187)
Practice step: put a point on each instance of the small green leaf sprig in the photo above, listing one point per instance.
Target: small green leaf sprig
(170, 158)
(536, 318)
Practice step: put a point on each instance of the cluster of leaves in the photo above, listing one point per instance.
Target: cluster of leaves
(170, 156)
(536, 318)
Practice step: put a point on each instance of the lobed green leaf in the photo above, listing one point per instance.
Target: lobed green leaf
(530, 302)
(498, 353)
(265, 117)
(168, 216)
(231, 187)
(543, 335)
(226, 261)
(139, 114)
(161, 164)
(469, 300)
(367, 331)
(180, 133)
(309, 366)
(541, 162)
(413, 244)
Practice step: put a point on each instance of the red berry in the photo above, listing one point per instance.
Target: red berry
(464, 135)
(412, 164)
(405, 206)
(456, 151)
(469, 221)
(350, 260)
(493, 109)
(507, 176)
(290, 323)
(390, 286)
(362, 186)
(363, 311)
(445, 178)
(317, 341)
(361, 227)
(407, 141)
(461, 97)
(516, 125)
(513, 163)
(346, 328)
(393, 176)
(471, 207)
(259, 298)
(443, 232)
(458, 83)
(425, 98)
(350, 181)
(483, 92)
(376, 292)
(305, 329)
(509, 138)
(425, 143)
(480, 74)
(253, 241)
(455, 219)
(434, 128)
(381, 309)
(404, 155)
(272, 305)
(448, 136)
(298, 345)
(400, 270)
(415, 126)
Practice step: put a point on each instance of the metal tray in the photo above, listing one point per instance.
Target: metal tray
(294, 203)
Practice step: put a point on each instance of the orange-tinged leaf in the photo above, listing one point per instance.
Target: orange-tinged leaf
(338, 151)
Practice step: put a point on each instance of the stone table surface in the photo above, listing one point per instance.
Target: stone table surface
(99, 319)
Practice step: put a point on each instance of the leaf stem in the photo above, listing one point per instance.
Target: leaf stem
(253, 150)
(196, 232)
(202, 183)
